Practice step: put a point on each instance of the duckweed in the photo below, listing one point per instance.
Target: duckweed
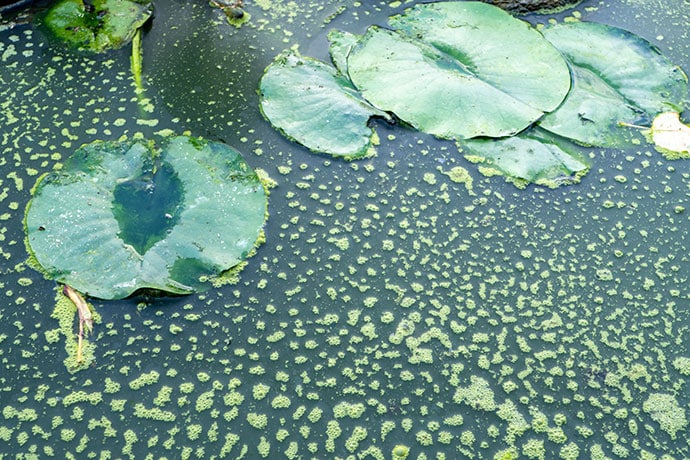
(280, 402)
(394, 304)
(664, 409)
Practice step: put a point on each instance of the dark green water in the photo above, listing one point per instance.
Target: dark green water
(389, 304)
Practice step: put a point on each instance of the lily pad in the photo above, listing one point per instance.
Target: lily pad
(110, 24)
(120, 217)
(432, 91)
(535, 156)
(618, 77)
(460, 70)
(309, 102)
(493, 46)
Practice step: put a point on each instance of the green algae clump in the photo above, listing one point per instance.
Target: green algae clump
(400, 452)
(664, 409)
(682, 365)
(478, 395)
(460, 175)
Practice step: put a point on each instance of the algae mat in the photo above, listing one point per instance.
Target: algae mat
(402, 299)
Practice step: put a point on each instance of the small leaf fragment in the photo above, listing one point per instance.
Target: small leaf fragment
(671, 135)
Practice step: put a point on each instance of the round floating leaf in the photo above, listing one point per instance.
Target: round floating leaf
(310, 103)
(119, 217)
(431, 90)
(535, 156)
(618, 77)
(109, 24)
(493, 46)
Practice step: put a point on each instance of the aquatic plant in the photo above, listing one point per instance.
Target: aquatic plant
(97, 25)
(120, 216)
(470, 72)
(385, 285)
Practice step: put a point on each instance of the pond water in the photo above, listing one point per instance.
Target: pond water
(389, 305)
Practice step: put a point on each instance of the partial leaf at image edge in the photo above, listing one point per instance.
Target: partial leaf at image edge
(310, 103)
(111, 25)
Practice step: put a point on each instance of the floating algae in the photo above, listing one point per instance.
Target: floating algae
(355, 349)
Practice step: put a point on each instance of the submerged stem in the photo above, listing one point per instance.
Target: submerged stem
(137, 56)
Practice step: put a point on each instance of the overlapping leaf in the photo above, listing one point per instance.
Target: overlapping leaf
(618, 77)
(310, 102)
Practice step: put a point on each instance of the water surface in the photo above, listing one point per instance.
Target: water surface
(389, 304)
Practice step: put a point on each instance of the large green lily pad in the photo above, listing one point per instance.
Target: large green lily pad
(504, 52)
(111, 24)
(460, 70)
(618, 77)
(120, 217)
(312, 103)
(431, 91)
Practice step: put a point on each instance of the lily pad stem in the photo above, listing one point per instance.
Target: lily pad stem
(137, 53)
(630, 125)
(85, 317)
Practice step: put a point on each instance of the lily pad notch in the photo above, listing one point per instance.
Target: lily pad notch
(124, 216)
(472, 73)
